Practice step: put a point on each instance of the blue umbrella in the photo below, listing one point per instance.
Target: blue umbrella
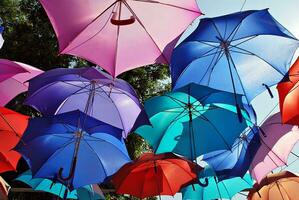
(193, 121)
(58, 189)
(235, 53)
(235, 162)
(72, 148)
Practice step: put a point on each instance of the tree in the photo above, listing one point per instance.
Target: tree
(30, 38)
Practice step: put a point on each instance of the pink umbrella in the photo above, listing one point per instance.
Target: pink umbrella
(120, 35)
(13, 77)
(277, 142)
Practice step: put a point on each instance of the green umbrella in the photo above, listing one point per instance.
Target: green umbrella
(193, 121)
(46, 185)
(225, 189)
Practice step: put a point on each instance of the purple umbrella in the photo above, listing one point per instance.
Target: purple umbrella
(112, 101)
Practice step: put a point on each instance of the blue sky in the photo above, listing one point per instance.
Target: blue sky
(287, 13)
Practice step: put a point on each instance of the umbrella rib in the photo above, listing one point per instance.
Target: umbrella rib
(55, 152)
(217, 30)
(166, 4)
(113, 4)
(185, 69)
(248, 39)
(204, 42)
(279, 183)
(273, 153)
(279, 190)
(166, 179)
(168, 160)
(253, 54)
(142, 25)
(226, 189)
(98, 157)
(176, 100)
(219, 56)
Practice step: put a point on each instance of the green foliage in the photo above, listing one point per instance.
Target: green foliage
(30, 38)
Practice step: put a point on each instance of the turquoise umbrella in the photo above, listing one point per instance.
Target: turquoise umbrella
(225, 189)
(46, 185)
(193, 121)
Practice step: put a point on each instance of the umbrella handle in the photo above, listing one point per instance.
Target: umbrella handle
(72, 172)
(205, 184)
(121, 22)
(269, 90)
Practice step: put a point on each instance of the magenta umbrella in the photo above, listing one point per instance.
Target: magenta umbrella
(120, 35)
(13, 77)
(277, 142)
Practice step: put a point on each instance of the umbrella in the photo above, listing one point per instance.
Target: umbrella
(235, 53)
(277, 142)
(112, 101)
(13, 79)
(4, 189)
(235, 162)
(216, 189)
(12, 126)
(288, 95)
(72, 148)
(151, 175)
(196, 120)
(280, 186)
(120, 35)
(1, 37)
(58, 189)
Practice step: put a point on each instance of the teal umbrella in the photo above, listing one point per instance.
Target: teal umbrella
(46, 185)
(225, 189)
(193, 121)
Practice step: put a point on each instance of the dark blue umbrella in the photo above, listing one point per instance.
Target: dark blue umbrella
(235, 162)
(72, 148)
(235, 53)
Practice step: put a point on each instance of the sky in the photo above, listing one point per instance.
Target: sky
(287, 13)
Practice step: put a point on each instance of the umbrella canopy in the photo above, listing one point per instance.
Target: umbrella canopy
(225, 189)
(280, 186)
(110, 100)
(58, 189)
(72, 148)
(196, 120)
(288, 95)
(4, 189)
(120, 35)
(277, 142)
(12, 127)
(151, 175)
(13, 79)
(1, 37)
(235, 162)
(222, 51)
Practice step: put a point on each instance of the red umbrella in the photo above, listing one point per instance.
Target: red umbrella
(151, 175)
(12, 127)
(289, 95)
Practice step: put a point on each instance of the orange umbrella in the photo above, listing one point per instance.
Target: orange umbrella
(280, 186)
(289, 95)
(12, 127)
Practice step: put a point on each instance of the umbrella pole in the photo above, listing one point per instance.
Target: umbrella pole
(225, 45)
(79, 135)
